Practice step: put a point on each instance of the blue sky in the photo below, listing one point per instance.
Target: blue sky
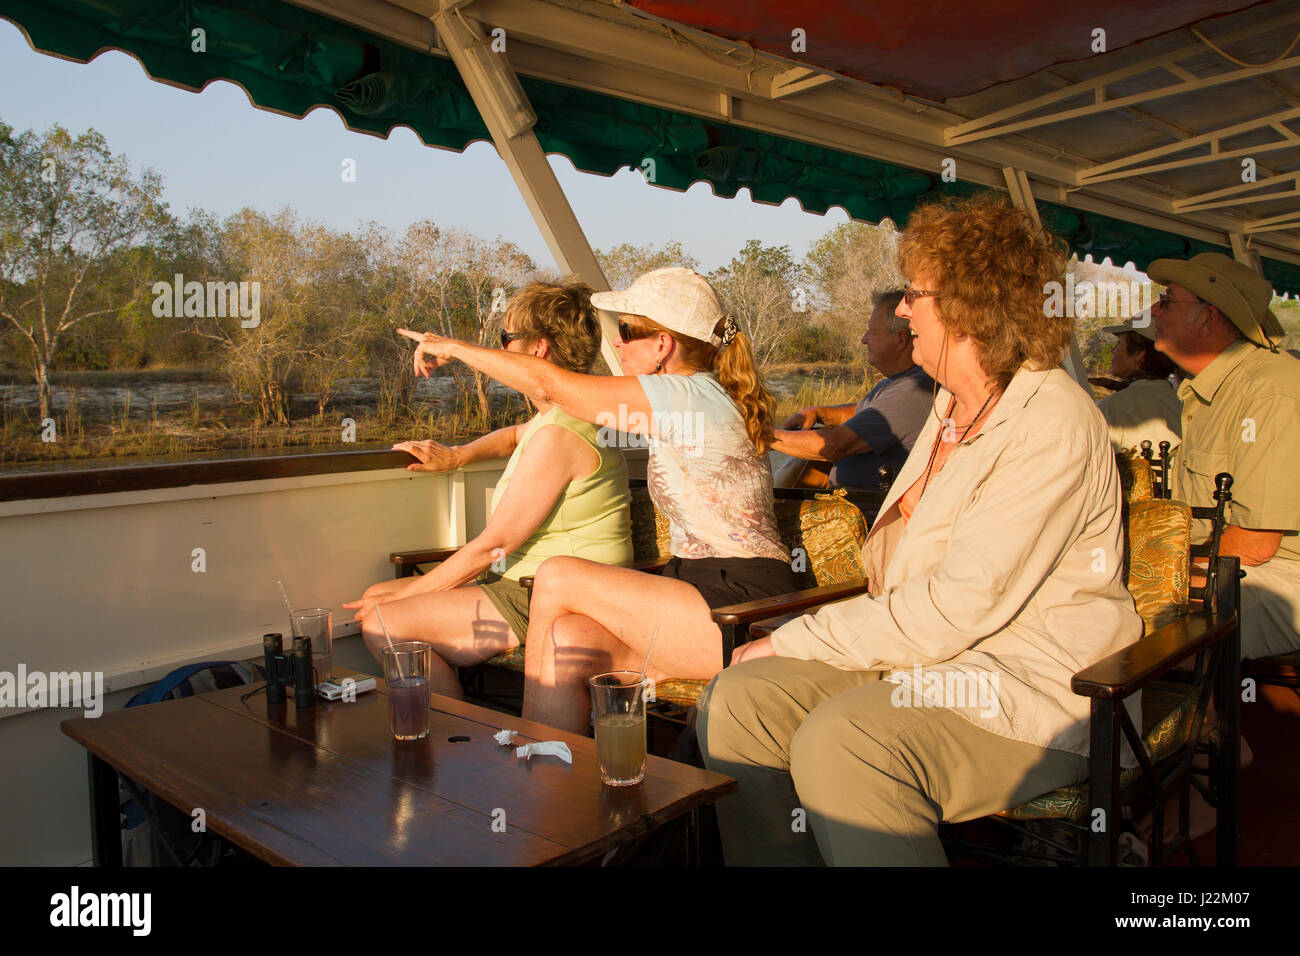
(215, 151)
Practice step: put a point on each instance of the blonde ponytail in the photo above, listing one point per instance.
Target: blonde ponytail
(738, 373)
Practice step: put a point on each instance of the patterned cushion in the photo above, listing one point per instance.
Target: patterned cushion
(1135, 477)
(683, 692)
(825, 536)
(1167, 713)
(1159, 542)
(511, 659)
(649, 528)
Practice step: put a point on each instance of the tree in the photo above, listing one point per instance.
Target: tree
(623, 263)
(301, 280)
(767, 292)
(70, 212)
(461, 284)
(387, 306)
(335, 328)
(846, 267)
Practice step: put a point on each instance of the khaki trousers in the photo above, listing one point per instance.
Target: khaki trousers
(831, 771)
(1270, 609)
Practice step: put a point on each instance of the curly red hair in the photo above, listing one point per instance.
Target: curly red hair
(991, 265)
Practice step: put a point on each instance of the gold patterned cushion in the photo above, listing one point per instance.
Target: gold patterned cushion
(649, 528)
(1167, 713)
(1135, 477)
(825, 536)
(682, 691)
(1159, 541)
(511, 659)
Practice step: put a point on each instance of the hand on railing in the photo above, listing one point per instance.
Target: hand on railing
(432, 455)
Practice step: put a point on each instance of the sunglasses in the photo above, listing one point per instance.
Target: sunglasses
(508, 337)
(910, 295)
(627, 333)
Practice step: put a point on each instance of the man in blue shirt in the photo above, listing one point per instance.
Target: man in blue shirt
(880, 429)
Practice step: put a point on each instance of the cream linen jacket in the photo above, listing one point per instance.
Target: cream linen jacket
(1009, 571)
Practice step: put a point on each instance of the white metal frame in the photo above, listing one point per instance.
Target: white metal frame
(620, 51)
(500, 100)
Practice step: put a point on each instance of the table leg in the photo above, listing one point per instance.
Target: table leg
(105, 814)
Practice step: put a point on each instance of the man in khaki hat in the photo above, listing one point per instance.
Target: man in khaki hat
(1241, 414)
(1146, 407)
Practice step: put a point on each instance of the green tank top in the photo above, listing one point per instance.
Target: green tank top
(591, 520)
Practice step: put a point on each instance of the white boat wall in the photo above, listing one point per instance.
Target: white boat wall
(136, 583)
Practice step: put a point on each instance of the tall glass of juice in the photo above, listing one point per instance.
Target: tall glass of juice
(406, 669)
(618, 710)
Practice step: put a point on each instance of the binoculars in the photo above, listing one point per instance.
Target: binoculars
(291, 670)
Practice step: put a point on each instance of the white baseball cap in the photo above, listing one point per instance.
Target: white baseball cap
(1140, 323)
(678, 299)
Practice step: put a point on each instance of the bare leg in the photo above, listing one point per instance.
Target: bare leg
(587, 617)
(461, 624)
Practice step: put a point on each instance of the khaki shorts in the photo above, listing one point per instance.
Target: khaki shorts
(510, 598)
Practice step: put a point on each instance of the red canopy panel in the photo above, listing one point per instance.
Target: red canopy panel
(939, 49)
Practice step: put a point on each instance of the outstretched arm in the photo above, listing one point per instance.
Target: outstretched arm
(592, 398)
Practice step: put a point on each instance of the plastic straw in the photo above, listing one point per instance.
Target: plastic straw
(397, 661)
(649, 650)
(284, 594)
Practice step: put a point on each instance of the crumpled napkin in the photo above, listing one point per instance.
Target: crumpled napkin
(505, 737)
(546, 748)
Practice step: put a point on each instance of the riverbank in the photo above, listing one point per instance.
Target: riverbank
(116, 417)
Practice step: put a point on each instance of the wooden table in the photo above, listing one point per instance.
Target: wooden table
(330, 786)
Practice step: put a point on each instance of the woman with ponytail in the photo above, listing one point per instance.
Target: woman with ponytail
(691, 387)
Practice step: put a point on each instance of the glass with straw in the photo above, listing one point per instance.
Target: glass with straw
(406, 670)
(618, 702)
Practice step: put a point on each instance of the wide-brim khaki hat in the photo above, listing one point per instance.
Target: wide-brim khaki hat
(1232, 287)
(1140, 324)
(677, 298)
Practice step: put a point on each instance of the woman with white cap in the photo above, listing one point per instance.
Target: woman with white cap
(691, 387)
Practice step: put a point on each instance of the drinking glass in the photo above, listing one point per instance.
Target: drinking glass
(618, 712)
(318, 624)
(406, 669)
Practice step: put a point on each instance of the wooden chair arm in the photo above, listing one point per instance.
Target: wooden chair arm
(1130, 669)
(742, 615)
(421, 557)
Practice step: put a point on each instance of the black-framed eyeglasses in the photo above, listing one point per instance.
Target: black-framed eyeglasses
(910, 295)
(508, 337)
(627, 333)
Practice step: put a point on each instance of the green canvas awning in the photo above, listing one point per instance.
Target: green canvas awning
(290, 60)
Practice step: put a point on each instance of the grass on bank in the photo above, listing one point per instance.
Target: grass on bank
(197, 430)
